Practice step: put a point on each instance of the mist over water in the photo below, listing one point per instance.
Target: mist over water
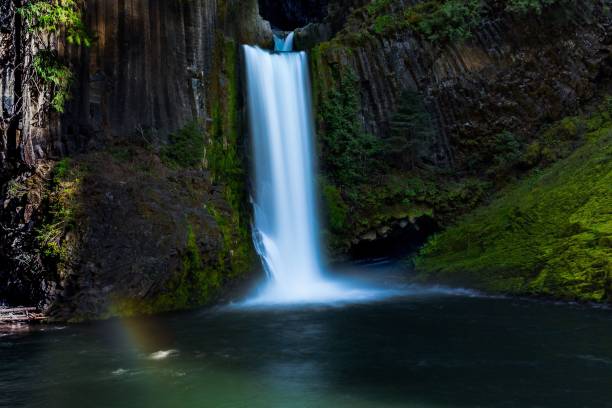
(286, 227)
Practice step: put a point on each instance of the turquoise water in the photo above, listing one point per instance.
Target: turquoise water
(425, 348)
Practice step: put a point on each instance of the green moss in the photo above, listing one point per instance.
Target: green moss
(63, 216)
(350, 152)
(336, 210)
(368, 182)
(219, 148)
(225, 159)
(547, 235)
(186, 147)
(193, 284)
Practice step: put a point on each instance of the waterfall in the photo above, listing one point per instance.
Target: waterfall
(284, 44)
(286, 228)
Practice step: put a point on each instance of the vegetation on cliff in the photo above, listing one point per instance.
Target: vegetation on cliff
(453, 124)
(215, 152)
(157, 234)
(57, 233)
(437, 21)
(547, 235)
(372, 183)
(62, 18)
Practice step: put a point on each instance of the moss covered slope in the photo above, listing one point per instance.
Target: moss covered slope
(549, 235)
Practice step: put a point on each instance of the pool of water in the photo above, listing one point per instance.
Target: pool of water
(425, 347)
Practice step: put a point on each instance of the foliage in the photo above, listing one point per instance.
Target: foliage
(396, 182)
(54, 15)
(529, 6)
(411, 128)
(498, 154)
(16, 189)
(185, 147)
(59, 77)
(336, 209)
(350, 153)
(439, 21)
(225, 160)
(376, 7)
(548, 235)
(64, 209)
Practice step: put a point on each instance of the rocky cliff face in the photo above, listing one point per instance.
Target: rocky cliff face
(484, 95)
(25, 128)
(149, 68)
(159, 76)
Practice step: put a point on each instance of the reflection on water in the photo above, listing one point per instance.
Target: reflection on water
(429, 349)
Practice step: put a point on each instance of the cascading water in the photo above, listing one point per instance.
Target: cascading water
(285, 226)
(283, 44)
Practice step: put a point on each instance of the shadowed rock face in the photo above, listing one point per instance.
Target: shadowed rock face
(154, 66)
(291, 14)
(514, 74)
(148, 69)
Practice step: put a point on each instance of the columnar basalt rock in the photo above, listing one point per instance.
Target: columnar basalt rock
(153, 68)
(151, 63)
(516, 74)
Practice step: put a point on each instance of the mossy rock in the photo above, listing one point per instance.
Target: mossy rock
(548, 235)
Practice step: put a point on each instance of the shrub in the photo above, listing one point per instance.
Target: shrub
(350, 152)
(53, 16)
(185, 147)
(452, 20)
(57, 75)
(529, 6)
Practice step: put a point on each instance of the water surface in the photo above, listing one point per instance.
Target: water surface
(425, 348)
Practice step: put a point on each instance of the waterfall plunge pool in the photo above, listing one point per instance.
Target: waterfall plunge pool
(427, 347)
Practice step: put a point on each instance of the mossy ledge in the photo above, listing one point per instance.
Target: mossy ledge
(549, 235)
(143, 227)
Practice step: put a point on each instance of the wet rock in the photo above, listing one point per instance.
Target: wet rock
(311, 35)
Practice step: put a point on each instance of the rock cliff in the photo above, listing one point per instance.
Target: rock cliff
(480, 101)
(124, 224)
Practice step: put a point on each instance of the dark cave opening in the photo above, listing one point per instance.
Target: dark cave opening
(287, 15)
(399, 243)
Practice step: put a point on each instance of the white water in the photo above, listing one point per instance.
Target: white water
(286, 226)
(284, 44)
